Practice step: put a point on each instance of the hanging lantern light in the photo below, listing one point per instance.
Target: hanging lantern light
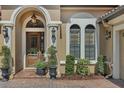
(53, 35)
(5, 34)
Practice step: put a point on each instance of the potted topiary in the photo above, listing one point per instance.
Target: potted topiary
(41, 67)
(52, 62)
(5, 63)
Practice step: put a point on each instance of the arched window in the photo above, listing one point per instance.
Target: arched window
(90, 42)
(37, 24)
(75, 41)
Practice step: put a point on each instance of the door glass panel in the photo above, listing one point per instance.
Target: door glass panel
(34, 41)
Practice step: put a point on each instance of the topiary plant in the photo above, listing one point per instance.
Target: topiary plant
(69, 66)
(82, 67)
(52, 56)
(6, 57)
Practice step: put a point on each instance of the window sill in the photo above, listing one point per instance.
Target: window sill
(62, 62)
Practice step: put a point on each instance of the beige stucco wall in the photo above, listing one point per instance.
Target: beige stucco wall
(66, 13)
(109, 48)
(106, 47)
(54, 12)
(6, 14)
(102, 39)
(61, 43)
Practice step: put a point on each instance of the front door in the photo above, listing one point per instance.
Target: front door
(34, 44)
(121, 55)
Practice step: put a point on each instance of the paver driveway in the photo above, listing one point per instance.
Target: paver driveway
(47, 83)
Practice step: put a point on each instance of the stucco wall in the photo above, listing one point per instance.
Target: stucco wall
(109, 48)
(54, 12)
(106, 47)
(6, 14)
(102, 39)
(66, 13)
(61, 43)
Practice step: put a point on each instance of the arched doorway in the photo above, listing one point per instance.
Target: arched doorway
(28, 35)
(33, 39)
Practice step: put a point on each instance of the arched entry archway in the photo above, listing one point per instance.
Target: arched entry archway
(21, 18)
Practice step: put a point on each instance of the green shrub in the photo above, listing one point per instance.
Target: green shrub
(69, 66)
(6, 57)
(52, 56)
(82, 67)
(100, 66)
(40, 64)
(33, 50)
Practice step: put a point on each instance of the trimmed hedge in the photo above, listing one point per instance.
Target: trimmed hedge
(82, 67)
(100, 66)
(69, 66)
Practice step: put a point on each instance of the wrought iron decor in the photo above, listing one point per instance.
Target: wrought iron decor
(5, 34)
(107, 34)
(53, 35)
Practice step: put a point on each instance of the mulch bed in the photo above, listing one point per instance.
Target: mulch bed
(79, 77)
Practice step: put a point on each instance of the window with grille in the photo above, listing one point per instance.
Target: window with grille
(75, 41)
(90, 42)
(37, 24)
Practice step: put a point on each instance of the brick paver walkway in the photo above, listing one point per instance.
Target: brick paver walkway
(47, 83)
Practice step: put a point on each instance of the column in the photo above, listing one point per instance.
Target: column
(116, 56)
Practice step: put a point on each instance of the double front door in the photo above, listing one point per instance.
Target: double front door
(34, 44)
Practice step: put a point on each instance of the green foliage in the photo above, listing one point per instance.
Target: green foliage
(40, 64)
(69, 66)
(6, 57)
(52, 56)
(82, 67)
(52, 50)
(100, 65)
(33, 50)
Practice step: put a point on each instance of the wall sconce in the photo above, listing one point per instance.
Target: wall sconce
(5, 34)
(108, 34)
(53, 35)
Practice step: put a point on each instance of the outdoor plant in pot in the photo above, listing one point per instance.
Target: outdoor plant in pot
(41, 67)
(52, 62)
(5, 66)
